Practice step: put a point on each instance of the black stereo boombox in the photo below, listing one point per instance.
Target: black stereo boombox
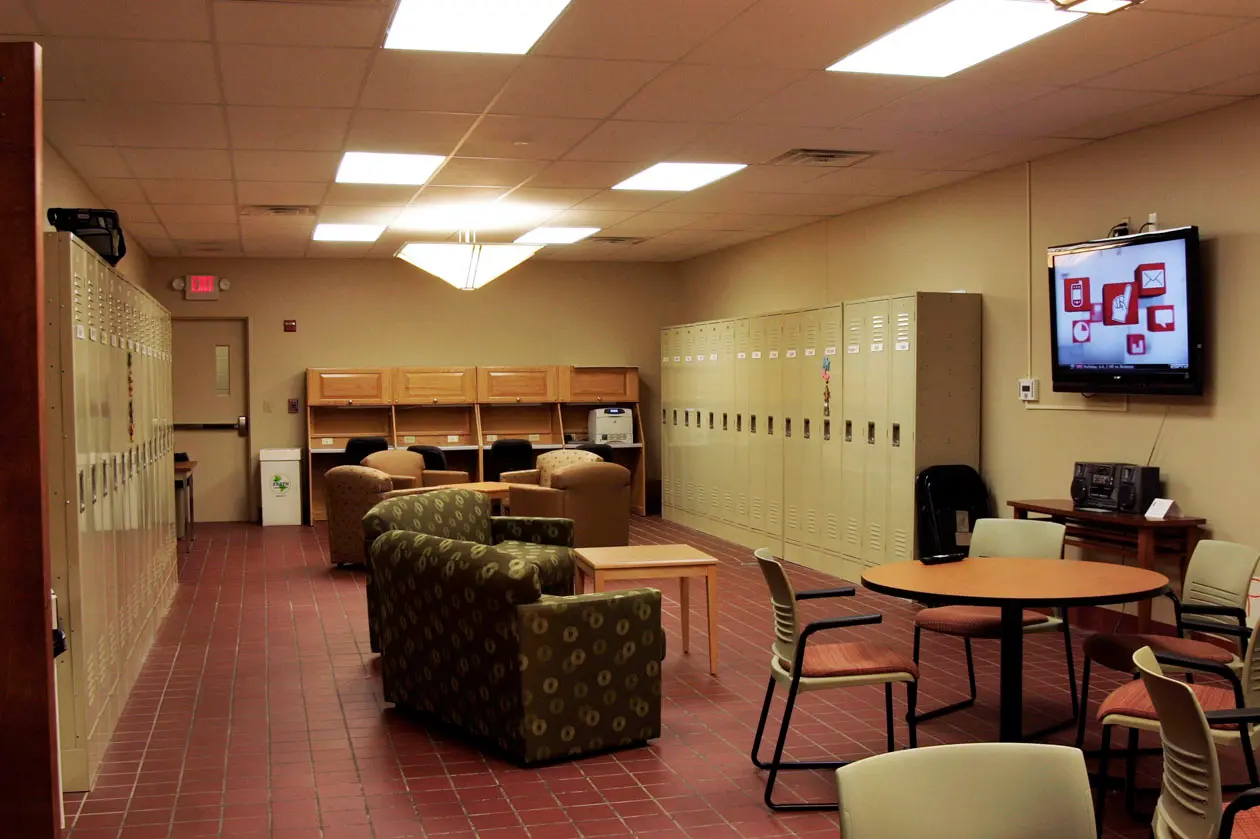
(1122, 487)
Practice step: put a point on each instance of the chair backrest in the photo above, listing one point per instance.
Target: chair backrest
(1190, 792)
(1219, 574)
(597, 498)
(1022, 538)
(971, 790)
(458, 514)
(350, 492)
(397, 462)
(941, 494)
(604, 450)
(358, 448)
(434, 458)
(1251, 669)
(549, 462)
(509, 455)
(783, 599)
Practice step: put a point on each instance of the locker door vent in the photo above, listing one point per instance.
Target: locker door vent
(832, 529)
(793, 518)
(900, 544)
(904, 329)
(811, 522)
(755, 509)
(774, 514)
(852, 533)
(715, 500)
(875, 537)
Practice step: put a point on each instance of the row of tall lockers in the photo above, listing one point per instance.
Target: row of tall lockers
(111, 490)
(804, 431)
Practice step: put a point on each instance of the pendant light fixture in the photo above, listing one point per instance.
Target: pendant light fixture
(467, 264)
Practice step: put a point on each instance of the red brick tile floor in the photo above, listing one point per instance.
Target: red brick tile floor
(259, 714)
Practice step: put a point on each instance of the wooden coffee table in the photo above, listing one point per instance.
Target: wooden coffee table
(639, 562)
(496, 490)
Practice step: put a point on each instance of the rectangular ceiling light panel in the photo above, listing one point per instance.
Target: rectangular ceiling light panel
(348, 232)
(455, 218)
(505, 27)
(956, 36)
(679, 177)
(361, 167)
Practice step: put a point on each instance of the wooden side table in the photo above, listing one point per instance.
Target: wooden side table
(638, 562)
(185, 509)
(1125, 534)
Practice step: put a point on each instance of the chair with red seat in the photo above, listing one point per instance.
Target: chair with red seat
(1147, 704)
(1213, 601)
(1025, 539)
(802, 666)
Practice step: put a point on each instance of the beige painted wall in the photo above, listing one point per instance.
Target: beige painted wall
(976, 236)
(386, 313)
(64, 188)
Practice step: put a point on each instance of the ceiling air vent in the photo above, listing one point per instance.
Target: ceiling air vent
(614, 240)
(278, 210)
(832, 158)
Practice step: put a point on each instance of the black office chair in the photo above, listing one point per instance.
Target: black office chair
(358, 448)
(434, 458)
(602, 449)
(942, 495)
(509, 455)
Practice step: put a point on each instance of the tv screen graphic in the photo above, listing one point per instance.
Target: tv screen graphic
(1126, 314)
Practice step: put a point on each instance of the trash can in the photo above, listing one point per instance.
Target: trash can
(281, 486)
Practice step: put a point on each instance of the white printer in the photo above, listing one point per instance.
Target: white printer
(611, 425)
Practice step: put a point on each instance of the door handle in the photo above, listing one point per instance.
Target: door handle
(242, 426)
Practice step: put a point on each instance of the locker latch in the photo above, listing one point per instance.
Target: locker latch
(806, 429)
(769, 426)
(826, 429)
(710, 420)
(848, 431)
(82, 494)
(675, 416)
(752, 423)
(739, 422)
(787, 427)
(896, 434)
(664, 417)
(870, 433)
(687, 419)
(724, 426)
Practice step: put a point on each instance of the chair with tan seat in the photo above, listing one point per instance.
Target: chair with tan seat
(971, 790)
(577, 485)
(1025, 539)
(404, 463)
(1213, 601)
(546, 466)
(1230, 711)
(801, 666)
(351, 491)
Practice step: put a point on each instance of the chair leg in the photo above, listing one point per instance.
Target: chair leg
(761, 727)
(971, 683)
(1083, 715)
(912, 698)
(888, 716)
(1130, 775)
(1071, 666)
(1248, 755)
(1103, 755)
(777, 763)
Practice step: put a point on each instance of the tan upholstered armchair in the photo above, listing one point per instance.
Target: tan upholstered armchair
(400, 463)
(548, 463)
(595, 495)
(351, 492)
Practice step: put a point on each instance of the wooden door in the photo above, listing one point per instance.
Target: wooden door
(211, 399)
(435, 385)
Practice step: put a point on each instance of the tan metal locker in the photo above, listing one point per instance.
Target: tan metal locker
(876, 432)
(667, 401)
(757, 408)
(902, 396)
(772, 464)
(725, 400)
(809, 434)
(741, 405)
(853, 432)
(687, 462)
(793, 501)
(709, 499)
(831, 363)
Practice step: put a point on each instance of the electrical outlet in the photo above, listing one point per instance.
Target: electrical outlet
(293, 406)
(1029, 390)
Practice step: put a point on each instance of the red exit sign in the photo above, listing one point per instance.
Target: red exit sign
(201, 287)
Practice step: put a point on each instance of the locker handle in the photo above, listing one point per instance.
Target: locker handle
(94, 484)
(870, 433)
(710, 420)
(82, 494)
(848, 431)
(896, 434)
(826, 429)
(752, 423)
(724, 425)
(769, 426)
(739, 422)
(664, 417)
(675, 416)
(787, 427)
(806, 429)
(686, 419)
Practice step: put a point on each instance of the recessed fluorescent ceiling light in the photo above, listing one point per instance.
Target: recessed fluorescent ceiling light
(556, 235)
(362, 167)
(348, 232)
(679, 177)
(956, 36)
(508, 27)
(454, 218)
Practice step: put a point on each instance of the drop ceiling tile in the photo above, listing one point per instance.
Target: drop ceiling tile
(572, 87)
(317, 77)
(189, 192)
(591, 218)
(1095, 46)
(159, 20)
(68, 123)
(118, 190)
(632, 29)
(652, 224)
(130, 214)
(1209, 62)
(777, 224)
(338, 250)
(173, 214)
(1028, 149)
(95, 161)
(825, 100)
(532, 138)
(166, 125)
(204, 232)
(190, 164)
(270, 248)
(1154, 114)
(436, 81)
(16, 20)
(285, 166)
(944, 151)
(209, 248)
(552, 197)
(412, 132)
(804, 33)
(146, 230)
(483, 171)
(334, 214)
(948, 104)
(635, 200)
(705, 93)
(747, 143)
(276, 227)
(738, 221)
(773, 178)
(280, 192)
(1054, 114)
(578, 173)
(458, 195)
(158, 248)
(1241, 8)
(296, 129)
(370, 194)
(358, 25)
(1242, 86)
(129, 71)
(645, 142)
(814, 205)
(865, 180)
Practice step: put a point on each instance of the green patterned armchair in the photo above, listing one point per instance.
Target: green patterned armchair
(468, 637)
(465, 515)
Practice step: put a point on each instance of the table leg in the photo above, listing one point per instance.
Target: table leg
(1021, 513)
(1146, 559)
(710, 586)
(192, 515)
(579, 580)
(684, 605)
(1011, 705)
(597, 582)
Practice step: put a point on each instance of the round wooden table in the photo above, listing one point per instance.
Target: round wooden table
(1014, 585)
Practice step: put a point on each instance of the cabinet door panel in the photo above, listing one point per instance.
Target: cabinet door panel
(348, 386)
(435, 385)
(599, 384)
(516, 384)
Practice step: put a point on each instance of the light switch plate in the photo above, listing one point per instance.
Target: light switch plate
(1029, 390)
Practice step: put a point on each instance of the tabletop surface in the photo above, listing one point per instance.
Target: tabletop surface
(643, 556)
(994, 580)
(1065, 507)
(185, 466)
(475, 486)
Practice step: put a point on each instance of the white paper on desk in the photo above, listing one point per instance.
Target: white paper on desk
(1163, 508)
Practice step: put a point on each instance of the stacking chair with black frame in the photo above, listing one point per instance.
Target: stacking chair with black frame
(434, 457)
(1024, 539)
(358, 448)
(802, 666)
(508, 455)
(1213, 601)
(1230, 712)
(602, 449)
